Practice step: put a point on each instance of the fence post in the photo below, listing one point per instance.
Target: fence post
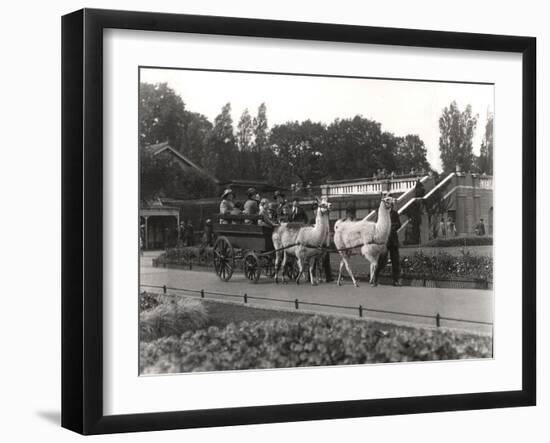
(245, 298)
(296, 303)
(438, 320)
(202, 293)
(164, 289)
(360, 310)
(190, 264)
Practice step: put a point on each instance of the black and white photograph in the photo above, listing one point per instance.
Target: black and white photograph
(297, 220)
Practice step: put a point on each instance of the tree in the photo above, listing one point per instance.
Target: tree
(244, 132)
(485, 160)
(196, 130)
(354, 148)
(298, 148)
(456, 135)
(261, 137)
(161, 115)
(411, 154)
(221, 157)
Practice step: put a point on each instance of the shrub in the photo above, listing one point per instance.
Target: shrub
(187, 254)
(172, 317)
(148, 301)
(461, 241)
(445, 266)
(317, 341)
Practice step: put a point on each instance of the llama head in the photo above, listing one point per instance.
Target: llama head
(323, 206)
(387, 202)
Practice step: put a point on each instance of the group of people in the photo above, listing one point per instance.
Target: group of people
(382, 174)
(446, 228)
(186, 233)
(270, 213)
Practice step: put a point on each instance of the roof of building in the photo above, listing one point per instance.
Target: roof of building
(158, 148)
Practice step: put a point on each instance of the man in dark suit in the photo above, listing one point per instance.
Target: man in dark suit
(393, 249)
(297, 213)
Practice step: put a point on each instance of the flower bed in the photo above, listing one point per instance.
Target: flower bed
(317, 341)
(444, 266)
(460, 241)
(185, 256)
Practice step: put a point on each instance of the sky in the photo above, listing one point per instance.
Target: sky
(402, 107)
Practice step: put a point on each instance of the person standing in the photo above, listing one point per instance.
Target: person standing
(451, 228)
(393, 248)
(442, 228)
(190, 234)
(480, 228)
(297, 213)
(226, 205)
(350, 213)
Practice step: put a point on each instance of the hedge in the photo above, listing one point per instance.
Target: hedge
(445, 266)
(188, 254)
(460, 241)
(317, 341)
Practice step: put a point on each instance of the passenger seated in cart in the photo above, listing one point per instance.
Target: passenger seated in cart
(226, 205)
(271, 218)
(251, 205)
(237, 210)
(264, 213)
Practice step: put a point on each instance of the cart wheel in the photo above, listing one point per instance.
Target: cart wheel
(291, 268)
(251, 267)
(224, 258)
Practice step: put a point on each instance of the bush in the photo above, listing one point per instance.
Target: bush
(187, 254)
(460, 241)
(317, 341)
(444, 266)
(148, 301)
(172, 317)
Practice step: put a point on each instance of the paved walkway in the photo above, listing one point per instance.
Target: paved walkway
(466, 304)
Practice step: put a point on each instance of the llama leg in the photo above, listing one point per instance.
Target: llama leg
(312, 268)
(373, 267)
(349, 271)
(277, 264)
(300, 268)
(366, 252)
(283, 264)
(339, 279)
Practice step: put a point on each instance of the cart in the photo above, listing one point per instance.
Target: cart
(241, 241)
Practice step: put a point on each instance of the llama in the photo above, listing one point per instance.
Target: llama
(296, 237)
(372, 237)
(311, 239)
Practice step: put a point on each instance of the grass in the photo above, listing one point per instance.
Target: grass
(222, 314)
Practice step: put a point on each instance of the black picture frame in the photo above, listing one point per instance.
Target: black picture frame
(82, 215)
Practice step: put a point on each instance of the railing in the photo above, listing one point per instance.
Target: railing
(486, 182)
(370, 187)
(360, 309)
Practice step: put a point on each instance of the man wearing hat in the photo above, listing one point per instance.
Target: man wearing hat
(297, 213)
(226, 205)
(279, 198)
(393, 248)
(251, 204)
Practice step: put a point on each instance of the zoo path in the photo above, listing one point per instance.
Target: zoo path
(467, 304)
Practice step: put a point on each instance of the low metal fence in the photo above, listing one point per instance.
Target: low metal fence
(360, 309)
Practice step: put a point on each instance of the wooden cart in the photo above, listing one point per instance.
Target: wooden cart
(241, 241)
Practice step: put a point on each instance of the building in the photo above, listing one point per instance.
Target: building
(464, 198)
(160, 217)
